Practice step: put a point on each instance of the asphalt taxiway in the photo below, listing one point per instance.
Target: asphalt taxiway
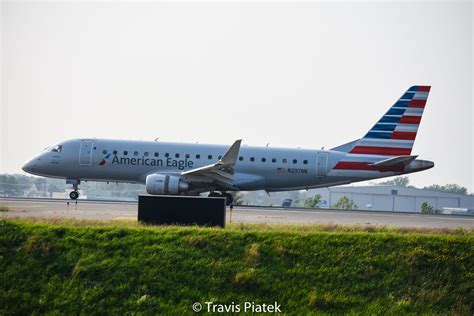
(93, 209)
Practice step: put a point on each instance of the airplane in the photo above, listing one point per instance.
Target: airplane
(168, 168)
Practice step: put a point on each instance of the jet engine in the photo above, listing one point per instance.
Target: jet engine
(161, 184)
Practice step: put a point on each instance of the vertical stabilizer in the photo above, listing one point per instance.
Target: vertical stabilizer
(394, 134)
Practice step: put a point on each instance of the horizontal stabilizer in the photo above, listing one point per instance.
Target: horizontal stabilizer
(394, 162)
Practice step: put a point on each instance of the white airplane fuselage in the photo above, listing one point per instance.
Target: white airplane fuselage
(189, 169)
(257, 168)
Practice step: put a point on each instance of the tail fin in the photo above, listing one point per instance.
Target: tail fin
(394, 134)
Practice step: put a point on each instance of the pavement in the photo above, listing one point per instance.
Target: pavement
(98, 209)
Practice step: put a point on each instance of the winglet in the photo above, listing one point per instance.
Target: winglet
(230, 156)
(225, 164)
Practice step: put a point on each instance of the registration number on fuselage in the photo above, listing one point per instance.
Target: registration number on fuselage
(297, 170)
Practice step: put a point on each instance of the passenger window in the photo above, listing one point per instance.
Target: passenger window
(241, 158)
(283, 160)
(167, 155)
(104, 151)
(274, 160)
(135, 153)
(115, 152)
(263, 159)
(187, 156)
(125, 153)
(305, 162)
(209, 157)
(295, 161)
(198, 156)
(145, 154)
(176, 155)
(219, 157)
(157, 154)
(252, 159)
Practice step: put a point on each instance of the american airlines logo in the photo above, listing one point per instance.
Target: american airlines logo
(103, 161)
(180, 164)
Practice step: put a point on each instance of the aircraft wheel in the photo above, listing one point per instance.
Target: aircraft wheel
(214, 194)
(74, 195)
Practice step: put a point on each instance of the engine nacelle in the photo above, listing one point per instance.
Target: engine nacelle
(162, 184)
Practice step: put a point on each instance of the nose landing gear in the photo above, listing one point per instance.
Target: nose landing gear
(74, 195)
(75, 186)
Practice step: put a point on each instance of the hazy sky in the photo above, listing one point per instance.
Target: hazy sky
(291, 74)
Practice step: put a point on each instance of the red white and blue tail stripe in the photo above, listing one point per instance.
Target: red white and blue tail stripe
(393, 135)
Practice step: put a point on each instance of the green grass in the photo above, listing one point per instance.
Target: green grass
(3, 208)
(121, 267)
(132, 222)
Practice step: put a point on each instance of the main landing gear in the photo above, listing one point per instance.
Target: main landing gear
(75, 186)
(228, 197)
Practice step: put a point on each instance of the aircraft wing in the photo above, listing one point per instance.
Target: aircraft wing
(222, 171)
(393, 162)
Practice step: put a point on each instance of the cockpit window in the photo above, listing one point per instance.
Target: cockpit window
(57, 148)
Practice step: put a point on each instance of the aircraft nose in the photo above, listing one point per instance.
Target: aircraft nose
(30, 166)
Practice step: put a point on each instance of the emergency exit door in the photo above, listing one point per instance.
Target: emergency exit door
(322, 165)
(85, 152)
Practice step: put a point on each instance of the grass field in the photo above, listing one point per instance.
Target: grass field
(120, 267)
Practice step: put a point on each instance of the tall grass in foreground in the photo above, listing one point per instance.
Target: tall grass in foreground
(129, 222)
(121, 267)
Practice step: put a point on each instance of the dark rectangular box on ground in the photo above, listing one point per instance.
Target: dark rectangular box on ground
(181, 210)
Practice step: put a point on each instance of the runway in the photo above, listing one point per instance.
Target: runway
(87, 209)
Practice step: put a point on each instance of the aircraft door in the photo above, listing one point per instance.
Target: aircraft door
(85, 152)
(322, 165)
